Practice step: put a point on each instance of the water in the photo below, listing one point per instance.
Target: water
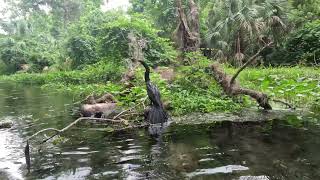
(279, 149)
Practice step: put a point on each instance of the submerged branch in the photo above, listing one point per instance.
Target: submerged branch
(42, 131)
(71, 125)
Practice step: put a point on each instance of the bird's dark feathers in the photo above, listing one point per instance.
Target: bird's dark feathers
(147, 73)
(156, 113)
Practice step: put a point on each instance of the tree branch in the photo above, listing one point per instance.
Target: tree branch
(282, 102)
(42, 131)
(251, 59)
(69, 126)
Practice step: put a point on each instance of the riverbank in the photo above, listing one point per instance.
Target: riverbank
(196, 143)
(192, 89)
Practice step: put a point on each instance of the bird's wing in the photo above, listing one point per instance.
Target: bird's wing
(154, 94)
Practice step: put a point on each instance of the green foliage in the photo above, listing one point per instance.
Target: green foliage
(184, 102)
(13, 58)
(113, 39)
(297, 85)
(82, 51)
(163, 13)
(304, 45)
(29, 42)
(97, 73)
(304, 11)
(43, 39)
(193, 89)
(237, 28)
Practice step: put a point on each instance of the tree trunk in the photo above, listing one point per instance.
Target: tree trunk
(188, 39)
(136, 54)
(195, 23)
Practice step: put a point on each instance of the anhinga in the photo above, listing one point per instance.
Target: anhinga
(156, 113)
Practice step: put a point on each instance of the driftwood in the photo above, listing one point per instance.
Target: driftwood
(100, 107)
(106, 98)
(232, 87)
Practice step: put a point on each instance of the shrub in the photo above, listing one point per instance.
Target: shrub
(82, 51)
(304, 44)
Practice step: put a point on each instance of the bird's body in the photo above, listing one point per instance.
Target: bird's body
(156, 113)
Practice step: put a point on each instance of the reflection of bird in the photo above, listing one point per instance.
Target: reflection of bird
(156, 114)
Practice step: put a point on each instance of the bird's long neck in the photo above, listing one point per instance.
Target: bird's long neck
(147, 72)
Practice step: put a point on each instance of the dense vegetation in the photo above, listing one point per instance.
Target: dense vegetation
(74, 46)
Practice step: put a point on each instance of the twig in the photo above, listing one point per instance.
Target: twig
(283, 102)
(46, 140)
(121, 113)
(130, 114)
(249, 62)
(42, 131)
(69, 126)
(142, 102)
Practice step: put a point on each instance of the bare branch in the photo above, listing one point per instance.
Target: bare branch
(251, 59)
(285, 103)
(42, 131)
(71, 125)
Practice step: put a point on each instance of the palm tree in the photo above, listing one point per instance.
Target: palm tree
(237, 27)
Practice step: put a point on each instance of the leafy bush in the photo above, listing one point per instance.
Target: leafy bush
(82, 50)
(304, 45)
(36, 51)
(113, 39)
(100, 72)
(13, 58)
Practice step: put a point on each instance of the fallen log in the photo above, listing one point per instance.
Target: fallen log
(98, 110)
(232, 87)
(104, 106)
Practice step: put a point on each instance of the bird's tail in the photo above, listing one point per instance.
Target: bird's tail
(147, 73)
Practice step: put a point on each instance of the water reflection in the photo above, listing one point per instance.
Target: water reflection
(11, 156)
(267, 150)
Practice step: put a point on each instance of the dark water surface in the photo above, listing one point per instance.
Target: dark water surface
(279, 149)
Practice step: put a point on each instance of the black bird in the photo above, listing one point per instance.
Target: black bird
(156, 113)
